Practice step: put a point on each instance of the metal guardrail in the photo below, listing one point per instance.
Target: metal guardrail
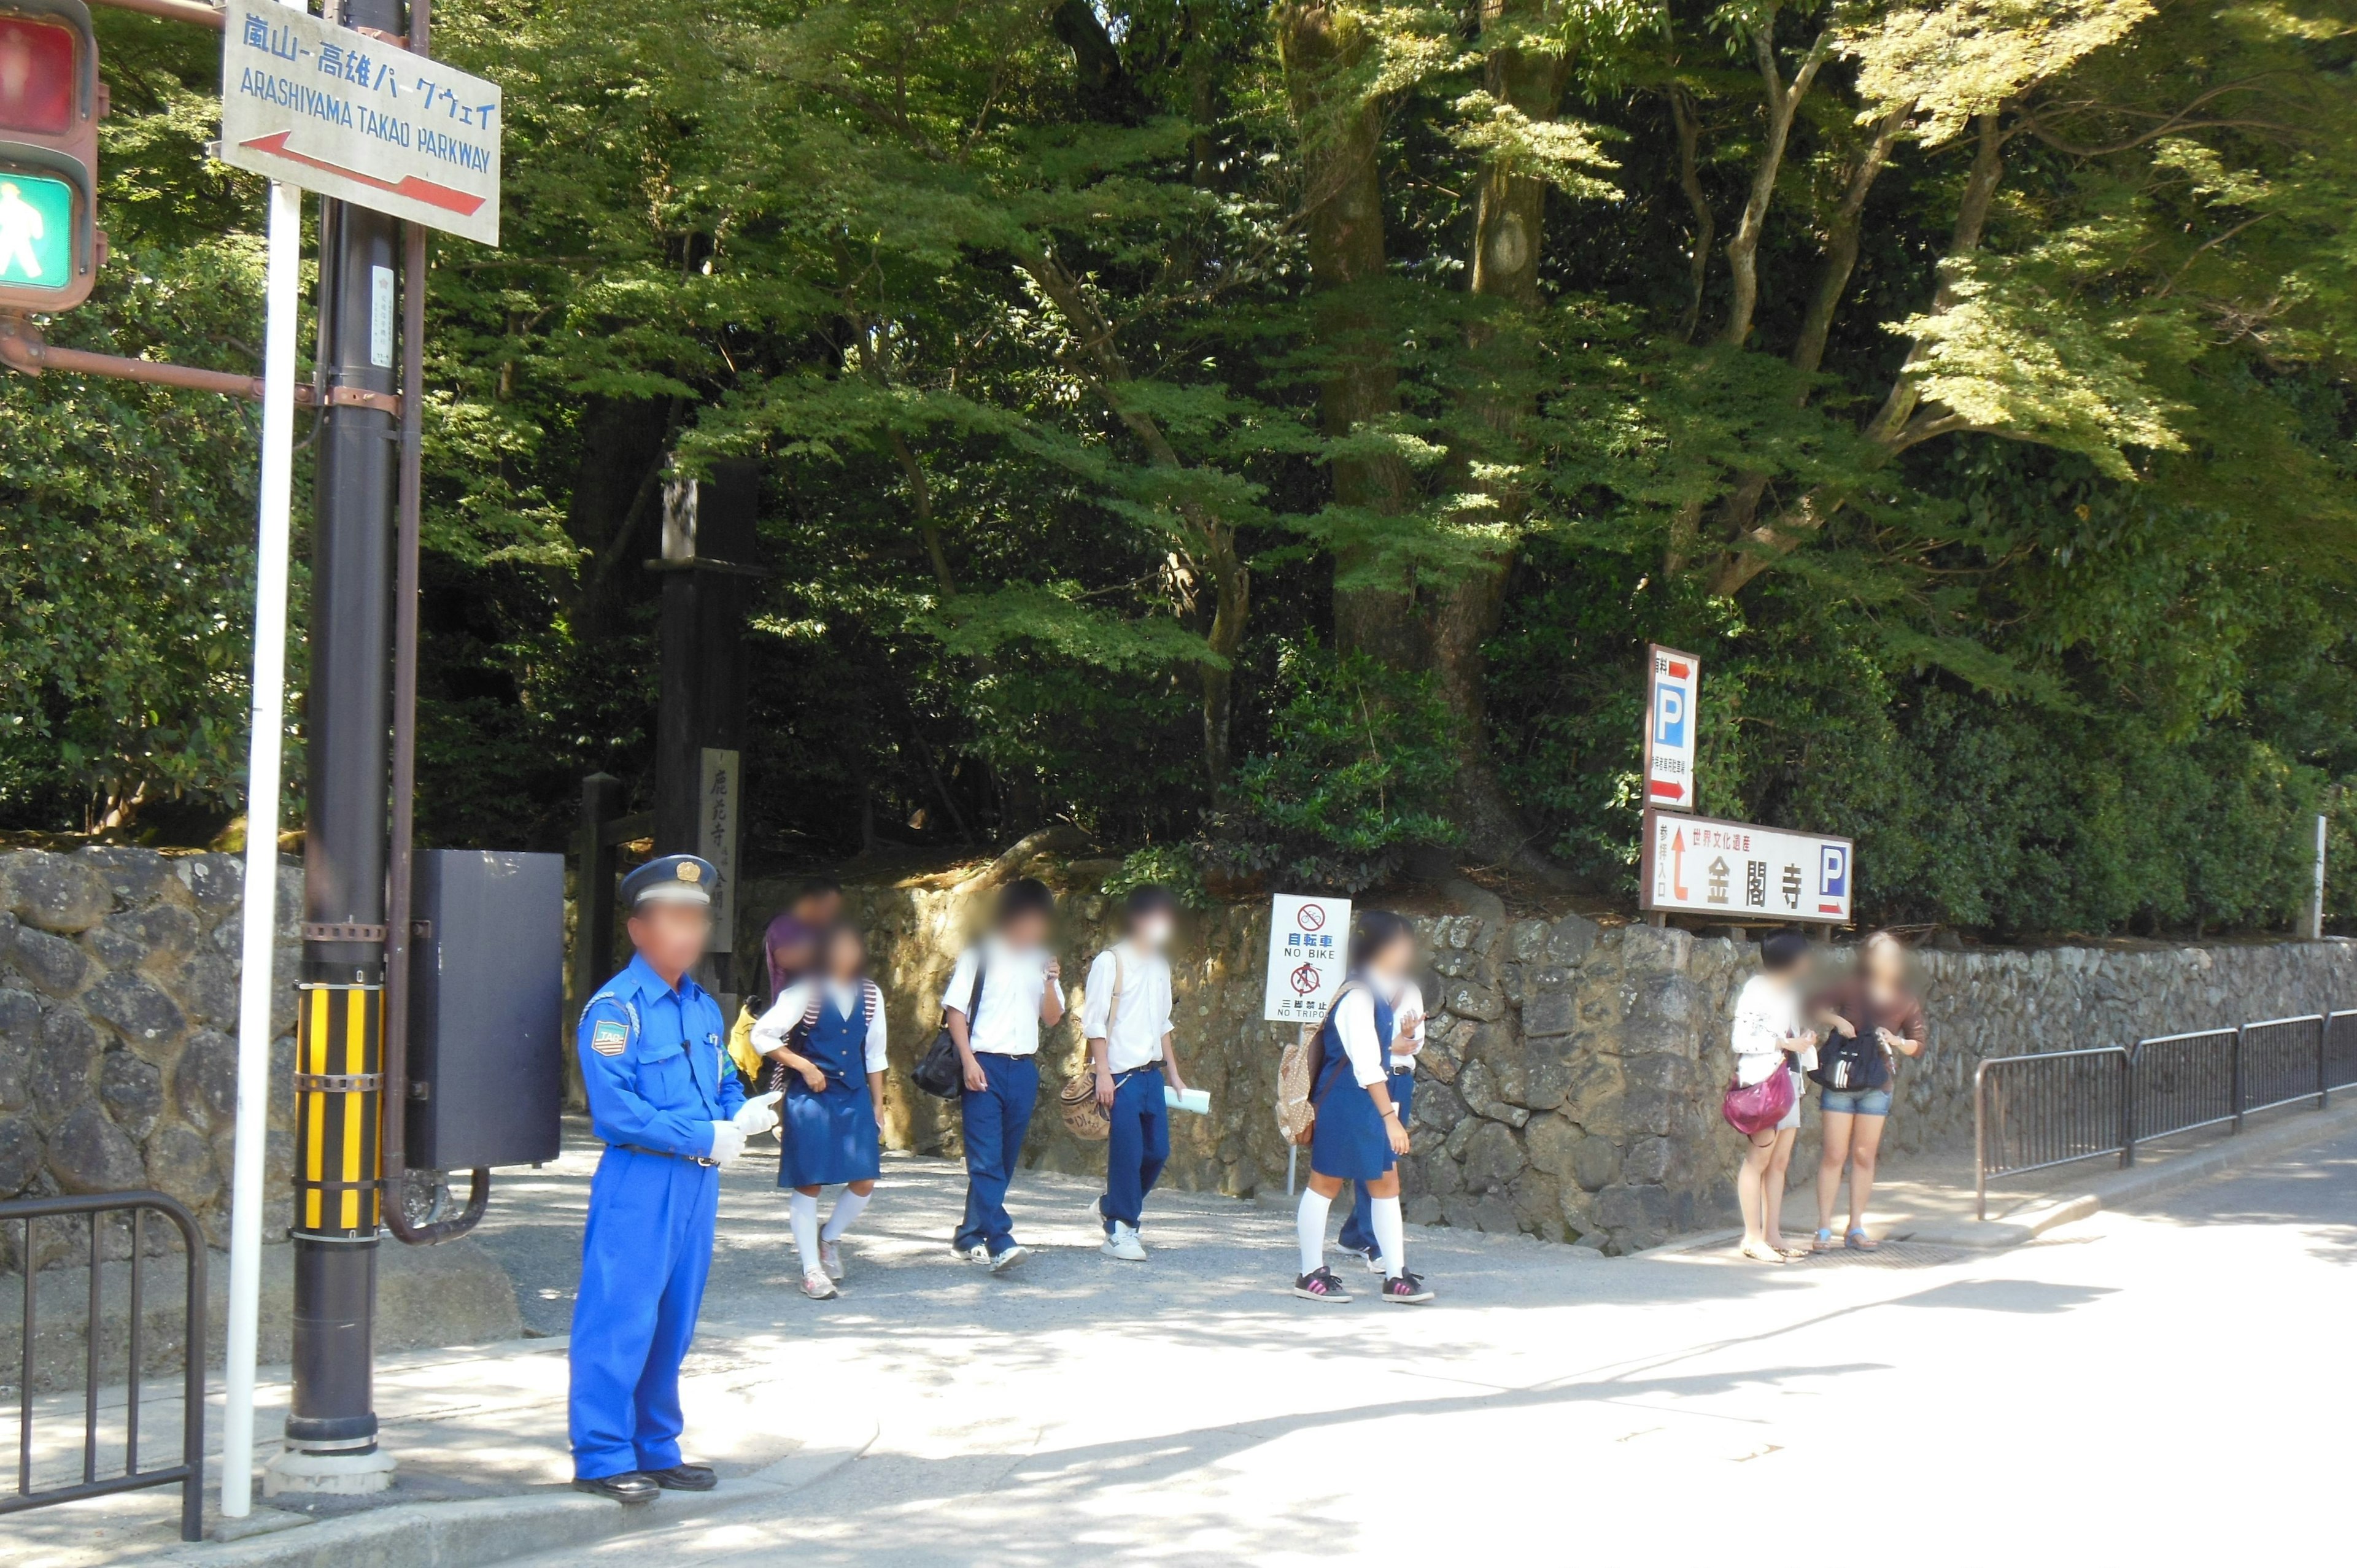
(2056, 1107)
(189, 1473)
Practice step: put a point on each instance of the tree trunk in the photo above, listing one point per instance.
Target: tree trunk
(1319, 45)
(1509, 227)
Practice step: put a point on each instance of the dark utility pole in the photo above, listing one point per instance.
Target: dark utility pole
(338, 1047)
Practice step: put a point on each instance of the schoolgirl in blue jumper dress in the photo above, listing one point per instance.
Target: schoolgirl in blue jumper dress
(1357, 1135)
(826, 1032)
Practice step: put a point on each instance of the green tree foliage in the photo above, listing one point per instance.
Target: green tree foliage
(1967, 383)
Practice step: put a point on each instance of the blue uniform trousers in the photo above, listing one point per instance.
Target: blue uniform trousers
(997, 1118)
(1359, 1230)
(643, 1262)
(1138, 1146)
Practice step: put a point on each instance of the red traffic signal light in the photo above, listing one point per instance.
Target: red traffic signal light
(49, 105)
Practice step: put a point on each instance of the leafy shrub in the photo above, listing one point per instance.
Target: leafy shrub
(1360, 760)
(1171, 866)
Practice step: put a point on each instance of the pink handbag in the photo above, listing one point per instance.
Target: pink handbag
(1756, 1108)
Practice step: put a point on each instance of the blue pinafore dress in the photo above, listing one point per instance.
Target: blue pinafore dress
(830, 1136)
(1348, 1139)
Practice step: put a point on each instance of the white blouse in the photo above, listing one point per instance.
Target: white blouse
(1145, 1014)
(1354, 1021)
(795, 1001)
(1767, 1014)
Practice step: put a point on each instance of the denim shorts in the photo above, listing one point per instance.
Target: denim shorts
(1853, 1101)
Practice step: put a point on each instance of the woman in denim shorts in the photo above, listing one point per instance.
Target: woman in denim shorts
(1873, 1008)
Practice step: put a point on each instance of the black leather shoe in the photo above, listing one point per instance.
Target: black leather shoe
(630, 1488)
(684, 1478)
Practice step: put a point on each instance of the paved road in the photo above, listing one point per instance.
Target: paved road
(2166, 1384)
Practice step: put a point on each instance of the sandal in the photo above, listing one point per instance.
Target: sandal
(1858, 1242)
(1766, 1254)
(1793, 1254)
(1825, 1243)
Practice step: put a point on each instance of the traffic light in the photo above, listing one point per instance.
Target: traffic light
(49, 106)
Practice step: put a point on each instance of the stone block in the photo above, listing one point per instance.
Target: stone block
(1670, 999)
(1646, 1160)
(216, 881)
(180, 1162)
(1649, 1211)
(1595, 1162)
(1492, 1157)
(1421, 1211)
(1572, 938)
(64, 1068)
(133, 875)
(1437, 1106)
(52, 964)
(22, 1155)
(149, 1022)
(1550, 1081)
(1654, 950)
(1470, 999)
(20, 1037)
(1659, 1037)
(1528, 940)
(1546, 1013)
(1537, 1200)
(204, 1080)
(209, 986)
(1549, 1142)
(166, 932)
(132, 1091)
(56, 892)
(90, 1154)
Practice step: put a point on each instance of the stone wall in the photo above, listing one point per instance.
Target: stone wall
(1572, 1072)
(118, 1018)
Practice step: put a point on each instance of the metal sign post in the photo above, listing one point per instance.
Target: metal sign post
(262, 791)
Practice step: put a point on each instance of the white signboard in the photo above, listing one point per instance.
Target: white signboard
(718, 816)
(1697, 865)
(1673, 687)
(312, 105)
(1309, 956)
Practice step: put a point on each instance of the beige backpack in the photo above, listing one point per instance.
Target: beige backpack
(1297, 1071)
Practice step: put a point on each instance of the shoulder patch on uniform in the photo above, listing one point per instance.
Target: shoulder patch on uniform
(610, 1039)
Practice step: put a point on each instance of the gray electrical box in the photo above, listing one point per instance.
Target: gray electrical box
(485, 1007)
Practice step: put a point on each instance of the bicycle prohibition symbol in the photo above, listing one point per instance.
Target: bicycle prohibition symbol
(1312, 918)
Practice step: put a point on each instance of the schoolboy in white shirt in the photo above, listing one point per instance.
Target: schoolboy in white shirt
(1003, 988)
(1127, 1020)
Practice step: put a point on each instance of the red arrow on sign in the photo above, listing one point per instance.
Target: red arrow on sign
(1678, 865)
(410, 186)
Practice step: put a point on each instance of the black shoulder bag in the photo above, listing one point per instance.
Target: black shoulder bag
(941, 1073)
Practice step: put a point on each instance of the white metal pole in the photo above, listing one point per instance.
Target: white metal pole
(2316, 898)
(269, 722)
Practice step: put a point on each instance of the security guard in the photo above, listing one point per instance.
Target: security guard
(669, 1111)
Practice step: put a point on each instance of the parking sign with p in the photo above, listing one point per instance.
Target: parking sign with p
(1673, 683)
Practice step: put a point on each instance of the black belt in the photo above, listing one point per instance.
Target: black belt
(664, 1153)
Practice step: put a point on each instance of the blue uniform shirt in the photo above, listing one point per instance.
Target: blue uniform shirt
(654, 1064)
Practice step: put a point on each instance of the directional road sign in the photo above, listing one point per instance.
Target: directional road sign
(1742, 872)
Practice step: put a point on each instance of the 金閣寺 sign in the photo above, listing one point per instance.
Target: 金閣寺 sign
(328, 108)
(1698, 866)
(1673, 687)
(1308, 954)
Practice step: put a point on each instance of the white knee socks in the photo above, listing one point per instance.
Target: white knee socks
(1391, 1235)
(802, 1211)
(846, 1210)
(1309, 1225)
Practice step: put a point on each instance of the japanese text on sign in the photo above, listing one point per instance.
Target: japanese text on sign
(332, 110)
(718, 818)
(1673, 687)
(1309, 956)
(1699, 866)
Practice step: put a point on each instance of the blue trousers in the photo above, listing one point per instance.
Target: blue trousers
(997, 1117)
(1139, 1145)
(1359, 1230)
(644, 1257)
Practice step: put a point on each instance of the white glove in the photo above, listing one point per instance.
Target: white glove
(759, 1115)
(727, 1140)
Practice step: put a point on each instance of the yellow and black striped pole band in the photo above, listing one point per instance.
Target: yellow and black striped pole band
(338, 1062)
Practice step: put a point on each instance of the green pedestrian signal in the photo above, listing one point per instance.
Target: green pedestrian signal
(50, 102)
(35, 232)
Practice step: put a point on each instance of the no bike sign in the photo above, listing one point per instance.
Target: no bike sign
(1308, 954)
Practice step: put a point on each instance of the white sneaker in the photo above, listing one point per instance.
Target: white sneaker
(830, 1258)
(1008, 1260)
(818, 1287)
(978, 1253)
(1123, 1244)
